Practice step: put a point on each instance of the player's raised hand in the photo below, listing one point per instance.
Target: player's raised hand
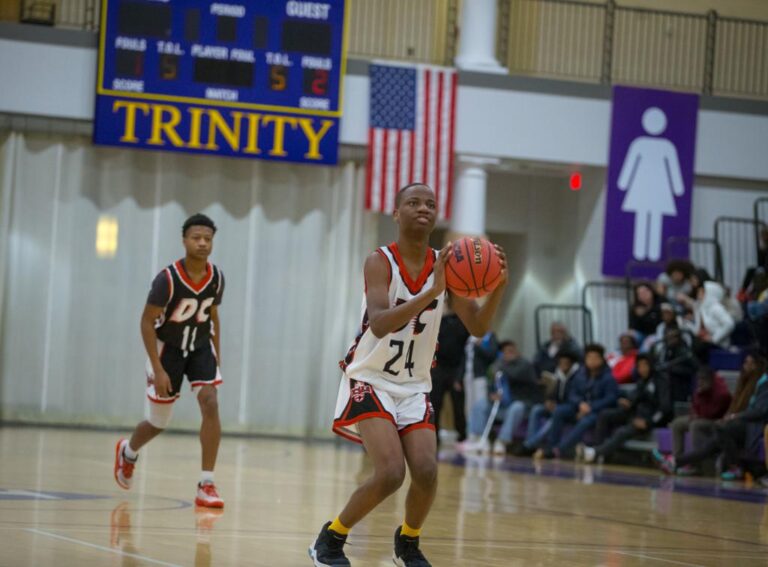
(504, 277)
(439, 268)
(162, 383)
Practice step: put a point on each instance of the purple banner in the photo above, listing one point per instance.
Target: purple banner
(650, 177)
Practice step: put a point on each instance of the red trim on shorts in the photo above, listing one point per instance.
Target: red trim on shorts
(338, 424)
(413, 286)
(414, 426)
(424, 423)
(216, 382)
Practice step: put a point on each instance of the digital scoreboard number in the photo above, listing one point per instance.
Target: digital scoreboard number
(249, 79)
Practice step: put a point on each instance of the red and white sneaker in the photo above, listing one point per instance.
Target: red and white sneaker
(123, 467)
(207, 496)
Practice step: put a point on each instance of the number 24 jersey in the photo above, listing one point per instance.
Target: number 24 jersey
(399, 363)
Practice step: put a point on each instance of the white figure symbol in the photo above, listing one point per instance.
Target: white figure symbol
(651, 176)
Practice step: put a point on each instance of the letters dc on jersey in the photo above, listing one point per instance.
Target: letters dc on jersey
(186, 320)
(399, 363)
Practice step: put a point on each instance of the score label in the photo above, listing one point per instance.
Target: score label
(249, 79)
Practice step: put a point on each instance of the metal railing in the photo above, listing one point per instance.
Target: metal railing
(552, 39)
(606, 43)
(608, 303)
(737, 239)
(761, 216)
(594, 41)
(576, 318)
(403, 29)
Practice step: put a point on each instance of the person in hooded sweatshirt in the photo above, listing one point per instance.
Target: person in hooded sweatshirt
(710, 403)
(713, 324)
(639, 411)
(516, 388)
(539, 420)
(593, 390)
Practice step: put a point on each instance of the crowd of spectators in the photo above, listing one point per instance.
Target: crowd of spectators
(574, 401)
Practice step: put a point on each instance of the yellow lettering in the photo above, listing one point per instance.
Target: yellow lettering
(194, 127)
(314, 137)
(278, 138)
(253, 134)
(129, 132)
(218, 124)
(161, 126)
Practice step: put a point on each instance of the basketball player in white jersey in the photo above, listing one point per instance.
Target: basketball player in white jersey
(383, 400)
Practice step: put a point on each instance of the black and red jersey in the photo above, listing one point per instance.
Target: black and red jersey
(186, 320)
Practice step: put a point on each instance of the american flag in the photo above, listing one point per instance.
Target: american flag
(411, 133)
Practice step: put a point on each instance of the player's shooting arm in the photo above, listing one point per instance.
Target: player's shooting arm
(382, 318)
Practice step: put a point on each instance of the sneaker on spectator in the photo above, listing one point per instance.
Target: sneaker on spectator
(499, 448)
(539, 454)
(665, 462)
(764, 481)
(687, 470)
(589, 454)
(579, 452)
(733, 473)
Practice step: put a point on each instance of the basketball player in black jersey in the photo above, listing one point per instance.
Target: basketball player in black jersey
(180, 329)
(415, 214)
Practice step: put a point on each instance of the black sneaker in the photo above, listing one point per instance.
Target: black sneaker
(328, 549)
(407, 552)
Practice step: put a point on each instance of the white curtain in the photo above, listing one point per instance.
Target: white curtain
(291, 243)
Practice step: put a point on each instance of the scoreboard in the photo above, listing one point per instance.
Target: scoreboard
(255, 78)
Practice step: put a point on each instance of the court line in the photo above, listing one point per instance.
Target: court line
(652, 558)
(367, 544)
(102, 548)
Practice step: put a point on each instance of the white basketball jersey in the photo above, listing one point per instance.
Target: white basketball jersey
(400, 362)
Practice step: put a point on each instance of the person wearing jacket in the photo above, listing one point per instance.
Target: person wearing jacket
(645, 407)
(545, 359)
(645, 315)
(516, 389)
(712, 323)
(710, 402)
(734, 432)
(557, 392)
(675, 359)
(622, 363)
(448, 371)
(593, 390)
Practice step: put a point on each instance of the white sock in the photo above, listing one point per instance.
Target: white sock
(206, 477)
(129, 453)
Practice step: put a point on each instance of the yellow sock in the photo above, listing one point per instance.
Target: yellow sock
(408, 531)
(338, 527)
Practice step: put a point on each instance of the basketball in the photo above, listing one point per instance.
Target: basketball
(474, 268)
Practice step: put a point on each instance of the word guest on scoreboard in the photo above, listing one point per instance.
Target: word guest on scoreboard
(251, 79)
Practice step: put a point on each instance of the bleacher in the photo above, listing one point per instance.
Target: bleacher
(603, 313)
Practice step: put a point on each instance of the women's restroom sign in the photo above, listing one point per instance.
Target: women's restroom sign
(650, 176)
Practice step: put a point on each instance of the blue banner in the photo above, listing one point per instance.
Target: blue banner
(207, 129)
(250, 79)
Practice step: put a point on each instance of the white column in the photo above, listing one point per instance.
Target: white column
(477, 37)
(468, 211)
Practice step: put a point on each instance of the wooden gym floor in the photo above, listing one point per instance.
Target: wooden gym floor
(59, 505)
